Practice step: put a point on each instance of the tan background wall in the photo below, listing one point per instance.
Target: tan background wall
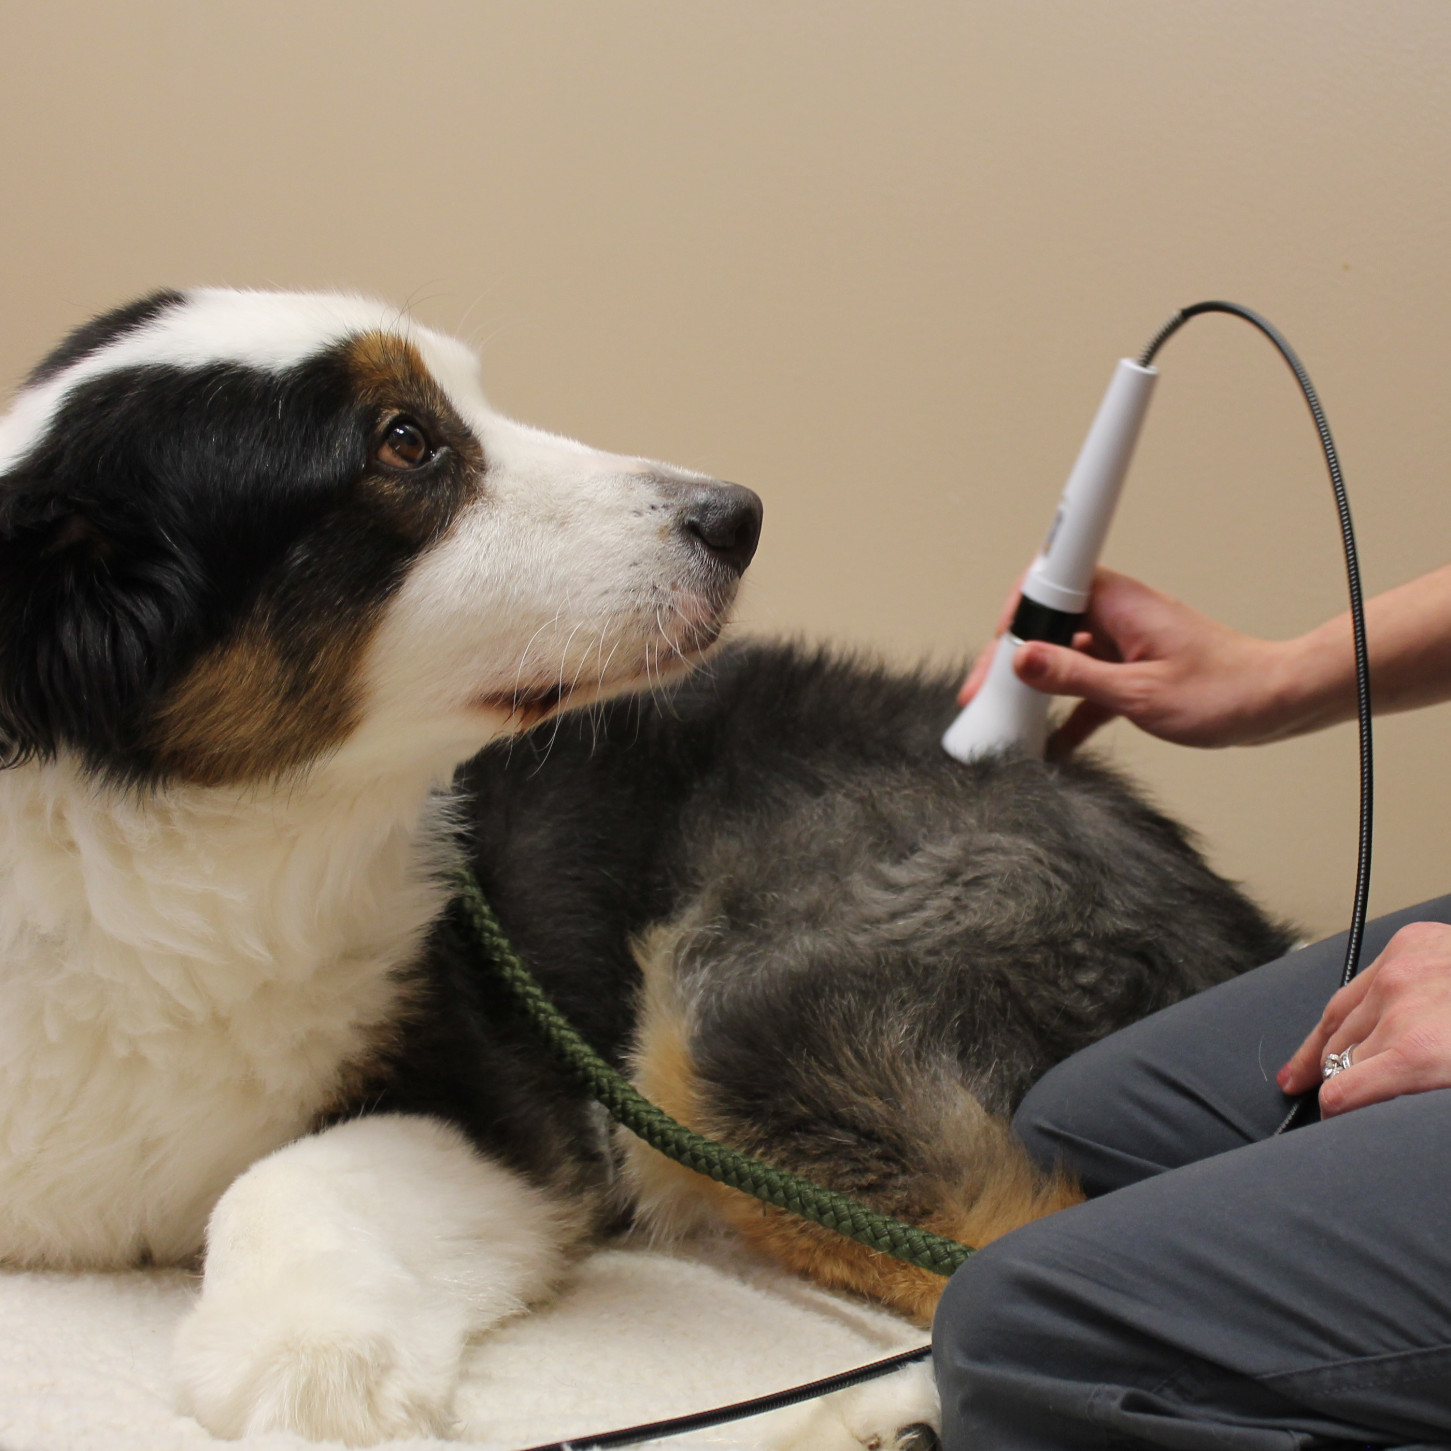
(875, 260)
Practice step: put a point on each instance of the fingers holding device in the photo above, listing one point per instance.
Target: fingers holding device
(1172, 671)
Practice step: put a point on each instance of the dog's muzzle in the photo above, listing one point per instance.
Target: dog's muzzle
(725, 519)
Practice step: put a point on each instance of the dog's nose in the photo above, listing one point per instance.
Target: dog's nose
(726, 518)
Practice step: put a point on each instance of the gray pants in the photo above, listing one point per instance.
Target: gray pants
(1222, 1288)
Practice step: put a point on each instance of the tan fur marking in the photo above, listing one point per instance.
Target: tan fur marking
(673, 1197)
(1022, 1194)
(241, 714)
(389, 374)
(1008, 1190)
(388, 369)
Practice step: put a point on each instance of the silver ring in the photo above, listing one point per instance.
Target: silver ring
(1336, 1063)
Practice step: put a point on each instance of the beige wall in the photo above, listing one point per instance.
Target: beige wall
(875, 260)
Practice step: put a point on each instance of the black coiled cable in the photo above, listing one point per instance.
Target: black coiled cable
(1356, 934)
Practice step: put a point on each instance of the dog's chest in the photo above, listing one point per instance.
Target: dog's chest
(173, 1006)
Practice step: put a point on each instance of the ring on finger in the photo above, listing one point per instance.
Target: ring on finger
(1336, 1063)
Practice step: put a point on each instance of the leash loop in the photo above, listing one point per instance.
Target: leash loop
(631, 1109)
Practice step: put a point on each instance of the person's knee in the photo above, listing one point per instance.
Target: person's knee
(987, 1302)
(994, 1328)
(1036, 1115)
(1052, 1111)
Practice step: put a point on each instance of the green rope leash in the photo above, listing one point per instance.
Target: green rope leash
(630, 1108)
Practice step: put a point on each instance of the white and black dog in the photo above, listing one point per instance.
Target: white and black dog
(271, 570)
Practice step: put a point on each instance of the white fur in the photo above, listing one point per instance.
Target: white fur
(345, 1274)
(185, 976)
(188, 974)
(586, 584)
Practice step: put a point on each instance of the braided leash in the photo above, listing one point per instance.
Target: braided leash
(630, 1108)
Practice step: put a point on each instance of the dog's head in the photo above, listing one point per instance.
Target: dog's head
(241, 533)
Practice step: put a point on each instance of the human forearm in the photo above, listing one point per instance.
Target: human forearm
(1186, 678)
(1408, 629)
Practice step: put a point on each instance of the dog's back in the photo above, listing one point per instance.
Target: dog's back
(857, 953)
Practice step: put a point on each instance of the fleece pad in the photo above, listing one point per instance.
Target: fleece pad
(637, 1334)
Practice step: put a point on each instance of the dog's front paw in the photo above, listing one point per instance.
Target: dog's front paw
(898, 1412)
(916, 1436)
(328, 1355)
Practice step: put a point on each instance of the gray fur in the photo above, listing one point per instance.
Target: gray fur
(873, 942)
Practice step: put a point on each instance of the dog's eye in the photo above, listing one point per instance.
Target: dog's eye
(404, 445)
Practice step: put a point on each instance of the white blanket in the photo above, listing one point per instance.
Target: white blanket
(637, 1335)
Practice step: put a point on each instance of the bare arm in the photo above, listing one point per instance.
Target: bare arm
(1186, 678)
(1409, 633)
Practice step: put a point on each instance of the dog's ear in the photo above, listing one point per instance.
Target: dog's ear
(89, 603)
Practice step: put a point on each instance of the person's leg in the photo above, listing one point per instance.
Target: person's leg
(1195, 1277)
(1193, 1080)
(1290, 1293)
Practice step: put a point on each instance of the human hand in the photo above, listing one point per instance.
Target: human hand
(1172, 671)
(983, 663)
(1396, 1015)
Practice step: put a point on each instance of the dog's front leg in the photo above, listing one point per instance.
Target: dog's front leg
(344, 1274)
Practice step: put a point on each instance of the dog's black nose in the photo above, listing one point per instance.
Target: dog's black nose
(726, 518)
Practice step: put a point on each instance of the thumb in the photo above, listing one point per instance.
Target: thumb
(976, 675)
(1057, 670)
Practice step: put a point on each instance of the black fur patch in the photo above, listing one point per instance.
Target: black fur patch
(91, 336)
(872, 925)
(167, 510)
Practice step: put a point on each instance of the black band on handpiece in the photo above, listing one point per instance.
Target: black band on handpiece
(1033, 621)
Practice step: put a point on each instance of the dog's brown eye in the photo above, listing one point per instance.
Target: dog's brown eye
(404, 445)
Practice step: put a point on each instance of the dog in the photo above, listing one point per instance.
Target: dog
(291, 625)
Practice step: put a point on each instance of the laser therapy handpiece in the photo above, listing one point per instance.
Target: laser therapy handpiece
(1006, 712)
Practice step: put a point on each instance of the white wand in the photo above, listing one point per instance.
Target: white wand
(1005, 712)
